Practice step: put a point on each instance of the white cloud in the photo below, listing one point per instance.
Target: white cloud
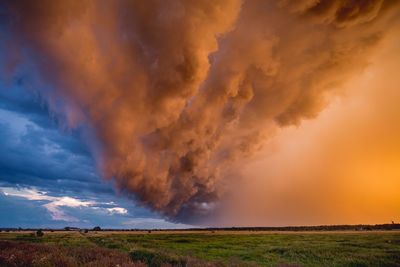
(30, 194)
(58, 214)
(118, 210)
(54, 203)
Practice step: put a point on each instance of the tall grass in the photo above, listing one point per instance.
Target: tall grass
(42, 255)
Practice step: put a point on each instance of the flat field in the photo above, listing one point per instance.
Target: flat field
(201, 248)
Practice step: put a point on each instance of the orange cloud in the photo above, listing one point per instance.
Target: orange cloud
(177, 95)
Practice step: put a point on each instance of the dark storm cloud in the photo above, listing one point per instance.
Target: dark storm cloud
(35, 152)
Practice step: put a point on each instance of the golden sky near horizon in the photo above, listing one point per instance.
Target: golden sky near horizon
(342, 167)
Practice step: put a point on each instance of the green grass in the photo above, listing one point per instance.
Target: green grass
(265, 249)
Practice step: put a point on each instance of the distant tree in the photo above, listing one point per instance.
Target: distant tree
(97, 228)
(149, 231)
(39, 233)
(67, 228)
(86, 231)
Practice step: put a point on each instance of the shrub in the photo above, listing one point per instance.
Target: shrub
(39, 233)
(26, 254)
(97, 228)
(156, 259)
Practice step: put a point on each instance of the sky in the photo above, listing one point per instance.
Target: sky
(342, 167)
(132, 114)
(48, 176)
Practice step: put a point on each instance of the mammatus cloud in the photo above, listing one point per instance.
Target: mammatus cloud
(176, 94)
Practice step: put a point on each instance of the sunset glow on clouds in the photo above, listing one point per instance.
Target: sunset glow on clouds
(202, 112)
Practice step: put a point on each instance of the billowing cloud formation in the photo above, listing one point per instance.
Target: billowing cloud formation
(174, 93)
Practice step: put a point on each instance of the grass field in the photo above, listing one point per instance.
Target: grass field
(380, 248)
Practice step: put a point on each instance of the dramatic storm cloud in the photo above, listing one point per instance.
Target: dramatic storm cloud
(172, 96)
